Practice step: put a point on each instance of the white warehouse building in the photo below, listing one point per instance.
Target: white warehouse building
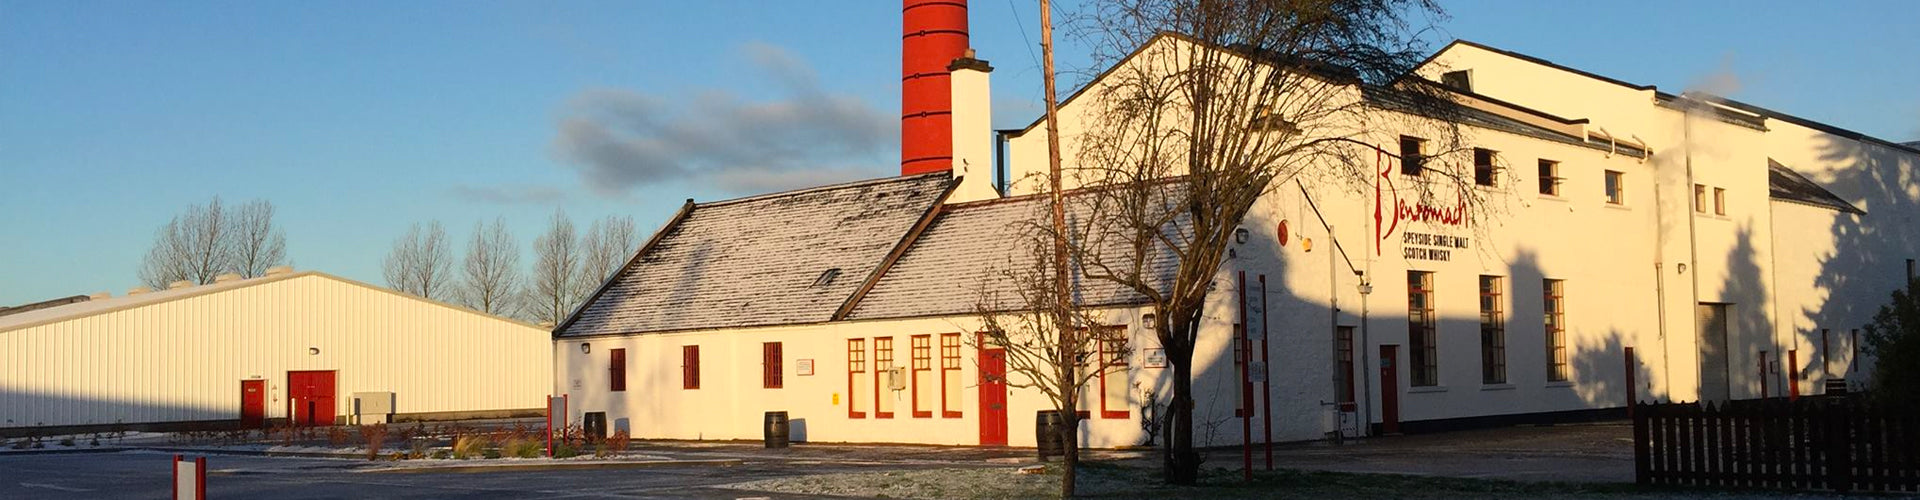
(289, 346)
(1622, 243)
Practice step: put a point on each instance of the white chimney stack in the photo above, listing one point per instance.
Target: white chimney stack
(972, 99)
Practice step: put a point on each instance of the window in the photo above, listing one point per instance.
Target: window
(1493, 332)
(1343, 365)
(1826, 354)
(1113, 374)
(1458, 79)
(1412, 156)
(1719, 201)
(1699, 198)
(1549, 177)
(1556, 313)
(826, 277)
(1421, 330)
(689, 367)
(772, 374)
(950, 375)
(882, 366)
(856, 370)
(1483, 169)
(921, 350)
(1853, 345)
(1616, 188)
(617, 370)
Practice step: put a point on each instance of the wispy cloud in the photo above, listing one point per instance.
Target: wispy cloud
(620, 139)
(507, 195)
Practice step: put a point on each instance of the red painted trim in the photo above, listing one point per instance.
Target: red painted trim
(689, 367)
(176, 477)
(851, 374)
(1763, 376)
(1107, 365)
(1793, 374)
(549, 408)
(946, 407)
(772, 371)
(877, 385)
(1633, 393)
(914, 359)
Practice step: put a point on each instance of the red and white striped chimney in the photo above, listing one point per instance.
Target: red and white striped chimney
(934, 34)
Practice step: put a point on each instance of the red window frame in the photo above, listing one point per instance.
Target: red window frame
(856, 365)
(882, 363)
(949, 361)
(920, 348)
(1113, 358)
(689, 367)
(771, 370)
(617, 370)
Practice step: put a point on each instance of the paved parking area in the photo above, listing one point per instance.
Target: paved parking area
(1595, 453)
(1579, 453)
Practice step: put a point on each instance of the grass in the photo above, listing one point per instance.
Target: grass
(1104, 480)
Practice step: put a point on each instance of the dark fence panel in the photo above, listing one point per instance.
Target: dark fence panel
(1831, 443)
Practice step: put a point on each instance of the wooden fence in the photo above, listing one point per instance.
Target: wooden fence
(1828, 443)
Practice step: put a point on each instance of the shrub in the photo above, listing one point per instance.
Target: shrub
(336, 436)
(521, 447)
(467, 446)
(374, 435)
(1894, 340)
(565, 450)
(619, 441)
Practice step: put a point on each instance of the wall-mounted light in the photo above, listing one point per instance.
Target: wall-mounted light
(585, 348)
(313, 351)
(1682, 268)
(1147, 319)
(1240, 235)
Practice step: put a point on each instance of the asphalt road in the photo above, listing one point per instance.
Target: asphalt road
(140, 474)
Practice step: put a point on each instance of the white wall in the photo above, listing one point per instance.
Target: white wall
(183, 360)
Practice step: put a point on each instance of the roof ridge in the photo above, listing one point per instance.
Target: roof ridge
(828, 187)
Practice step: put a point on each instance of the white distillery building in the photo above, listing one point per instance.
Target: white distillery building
(1624, 243)
(288, 346)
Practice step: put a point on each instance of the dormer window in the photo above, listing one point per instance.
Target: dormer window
(1461, 80)
(826, 278)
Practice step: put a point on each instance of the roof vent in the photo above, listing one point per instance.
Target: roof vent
(179, 285)
(226, 277)
(279, 270)
(138, 290)
(100, 295)
(826, 278)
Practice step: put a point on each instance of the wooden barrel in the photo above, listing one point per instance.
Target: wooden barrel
(776, 429)
(1046, 434)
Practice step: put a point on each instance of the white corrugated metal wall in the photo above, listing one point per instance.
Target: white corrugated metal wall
(183, 360)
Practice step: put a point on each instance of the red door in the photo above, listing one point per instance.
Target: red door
(1389, 389)
(993, 397)
(310, 397)
(253, 403)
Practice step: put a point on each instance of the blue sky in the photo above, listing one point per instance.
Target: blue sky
(359, 118)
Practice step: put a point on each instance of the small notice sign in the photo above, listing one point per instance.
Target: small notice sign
(1156, 358)
(803, 366)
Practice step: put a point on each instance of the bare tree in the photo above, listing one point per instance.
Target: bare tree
(256, 243)
(1210, 104)
(491, 272)
(1052, 344)
(208, 240)
(421, 262)
(555, 287)
(193, 246)
(607, 245)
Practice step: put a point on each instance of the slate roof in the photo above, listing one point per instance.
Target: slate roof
(754, 261)
(964, 259)
(1787, 185)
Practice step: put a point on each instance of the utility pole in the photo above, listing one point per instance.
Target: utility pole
(1069, 336)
